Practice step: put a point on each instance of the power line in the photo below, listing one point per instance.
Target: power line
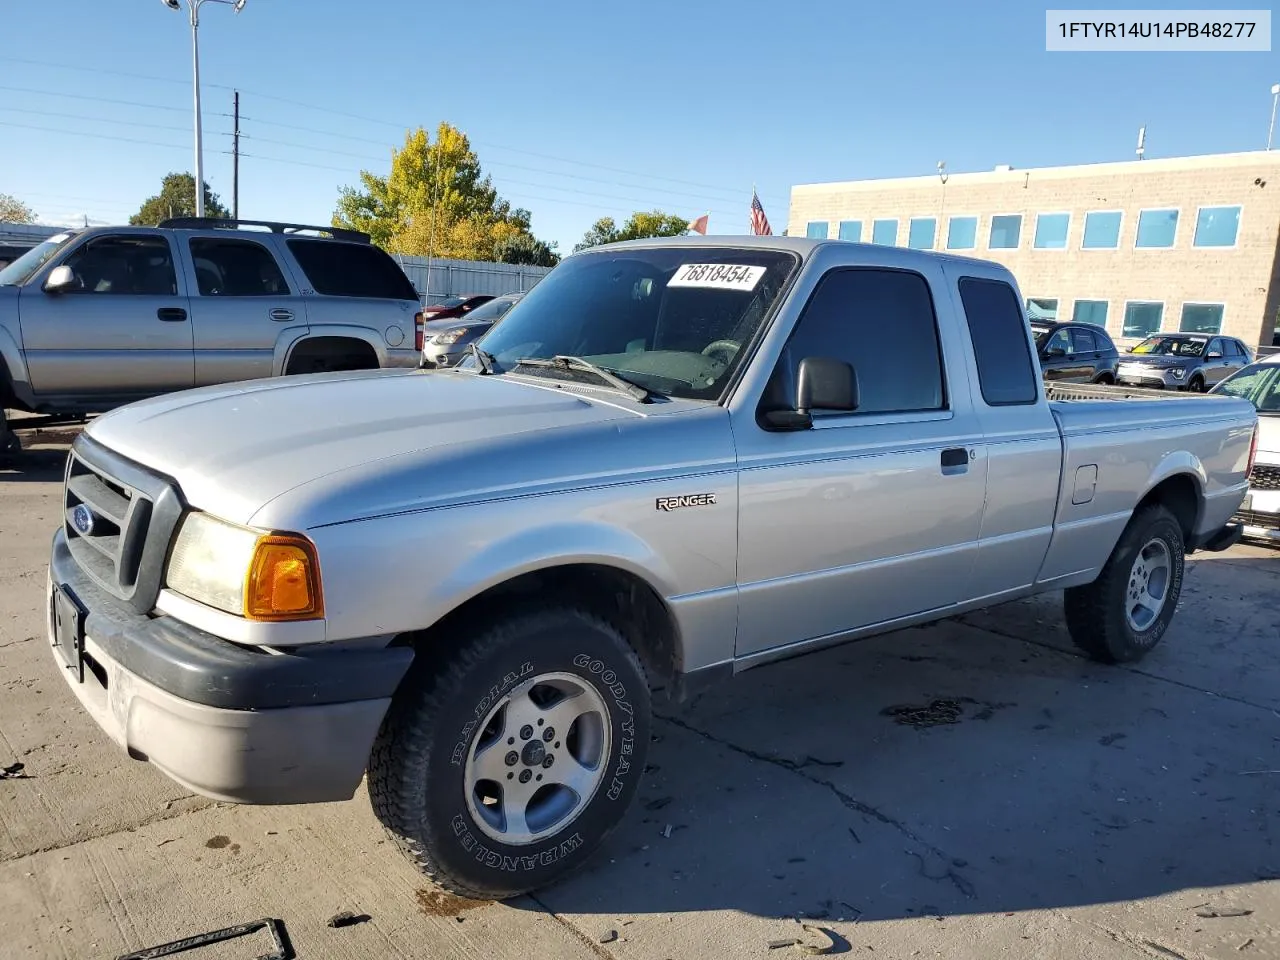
(96, 136)
(82, 96)
(355, 116)
(79, 116)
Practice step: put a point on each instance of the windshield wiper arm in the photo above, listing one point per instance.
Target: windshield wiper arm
(618, 382)
(483, 357)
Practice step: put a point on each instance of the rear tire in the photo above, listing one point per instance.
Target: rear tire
(1121, 616)
(554, 693)
(1106, 380)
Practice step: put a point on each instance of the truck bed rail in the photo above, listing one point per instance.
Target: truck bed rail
(1107, 391)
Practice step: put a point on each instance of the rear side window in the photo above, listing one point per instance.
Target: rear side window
(337, 269)
(1082, 341)
(882, 322)
(236, 268)
(999, 334)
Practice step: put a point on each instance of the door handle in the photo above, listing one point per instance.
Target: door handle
(172, 314)
(955, 459)
(279, 313)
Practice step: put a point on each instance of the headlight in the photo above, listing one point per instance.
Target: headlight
(448, 337)
(1178, 372)
(249, 573)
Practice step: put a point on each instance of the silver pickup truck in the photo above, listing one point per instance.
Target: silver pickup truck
(672, 461)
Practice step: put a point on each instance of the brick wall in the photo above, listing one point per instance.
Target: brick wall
(1245, 278)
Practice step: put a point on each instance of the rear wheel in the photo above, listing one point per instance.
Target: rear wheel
(1106, 379)
(1121, 616)
(509, 756)
(330, 354)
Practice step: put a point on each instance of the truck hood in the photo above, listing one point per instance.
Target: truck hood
(233, 449)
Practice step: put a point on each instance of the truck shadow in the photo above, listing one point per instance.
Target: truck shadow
(960, 769)
(39, 465)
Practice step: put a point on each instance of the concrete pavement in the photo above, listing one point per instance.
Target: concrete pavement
(969, 790)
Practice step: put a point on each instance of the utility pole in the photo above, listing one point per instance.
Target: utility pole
(235, 163)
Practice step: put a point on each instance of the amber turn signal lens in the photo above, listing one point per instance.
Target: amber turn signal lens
(283, 581)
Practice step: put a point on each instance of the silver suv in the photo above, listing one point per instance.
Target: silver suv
(93, 319)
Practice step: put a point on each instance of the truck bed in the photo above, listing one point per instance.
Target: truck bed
(1104, 391)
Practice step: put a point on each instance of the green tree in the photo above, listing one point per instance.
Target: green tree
(177, 198)
(653, 223)
(524, 248)
(435, 201)
(13, 210)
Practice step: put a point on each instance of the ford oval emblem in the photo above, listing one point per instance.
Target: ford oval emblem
(82, 520)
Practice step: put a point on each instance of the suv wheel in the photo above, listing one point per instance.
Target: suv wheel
(504, 763)
(1197, 384)
(1121, 616)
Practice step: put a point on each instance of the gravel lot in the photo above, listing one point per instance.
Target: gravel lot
(1029, 804)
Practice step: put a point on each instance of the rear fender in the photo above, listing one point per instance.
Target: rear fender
(13, 368)
(288, 343)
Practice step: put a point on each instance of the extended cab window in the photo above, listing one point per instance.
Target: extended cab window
(126, 265)
(999, 334)
(882, 323)
(338, 269)
(236, 268)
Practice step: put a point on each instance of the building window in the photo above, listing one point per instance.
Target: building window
(1042, 308)
(921, 232)
(1157, 229)
(1051, 231)
(1201, 318)
(1142, 318)
(1102, 230)
(1006, 231)
(851, 230)
(816, 230)
(1217, 227)
(1090, 311)
(884, 232)
(962, 233)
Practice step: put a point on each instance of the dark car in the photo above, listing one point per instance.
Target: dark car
(1078, 352)
(1182, 361)
(452, 307)
(445, 342)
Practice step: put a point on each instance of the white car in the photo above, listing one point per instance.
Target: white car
(1259, 383)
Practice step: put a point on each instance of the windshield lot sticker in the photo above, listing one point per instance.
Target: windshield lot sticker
(718, 276)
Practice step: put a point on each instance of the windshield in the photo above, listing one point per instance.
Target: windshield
(1171, 346)
(1259, 383)
(491, 310)
(671, 319)
(20, 271)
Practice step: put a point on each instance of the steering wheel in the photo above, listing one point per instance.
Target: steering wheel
(722, 350)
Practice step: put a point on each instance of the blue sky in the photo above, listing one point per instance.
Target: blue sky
(581, 110)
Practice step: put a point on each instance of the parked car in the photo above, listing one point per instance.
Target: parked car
(453, 307)
(93, 319)
(1259, 383)
(1078, 352)
(10, 252)
(1182, 361)
(447, 341)
(591, 504)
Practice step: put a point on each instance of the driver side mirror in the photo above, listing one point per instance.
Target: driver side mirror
(822, 383)
(60, 280)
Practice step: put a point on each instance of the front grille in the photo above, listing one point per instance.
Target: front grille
(118, 518)
(1255, 518)
(1264, 478)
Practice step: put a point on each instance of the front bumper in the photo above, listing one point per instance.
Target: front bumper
(1150, 377)
(438, 358)
(233, 723)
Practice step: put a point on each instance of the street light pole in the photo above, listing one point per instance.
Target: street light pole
(194, 7)
(1275, 98)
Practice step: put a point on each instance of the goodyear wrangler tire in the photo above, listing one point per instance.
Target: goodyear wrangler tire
(1121, 616)
(505, 761)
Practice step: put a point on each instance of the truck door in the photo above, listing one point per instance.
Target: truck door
(869, 516)
(1023, 444)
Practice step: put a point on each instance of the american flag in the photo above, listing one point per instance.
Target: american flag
(759, 222)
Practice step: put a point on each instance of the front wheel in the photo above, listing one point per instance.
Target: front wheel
(506, 760)
(1121, 616)
(1196, 385)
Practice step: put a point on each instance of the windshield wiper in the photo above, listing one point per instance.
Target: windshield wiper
(483, 357)
(618, 382)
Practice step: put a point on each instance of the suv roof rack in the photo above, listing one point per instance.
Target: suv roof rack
(217, 223)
